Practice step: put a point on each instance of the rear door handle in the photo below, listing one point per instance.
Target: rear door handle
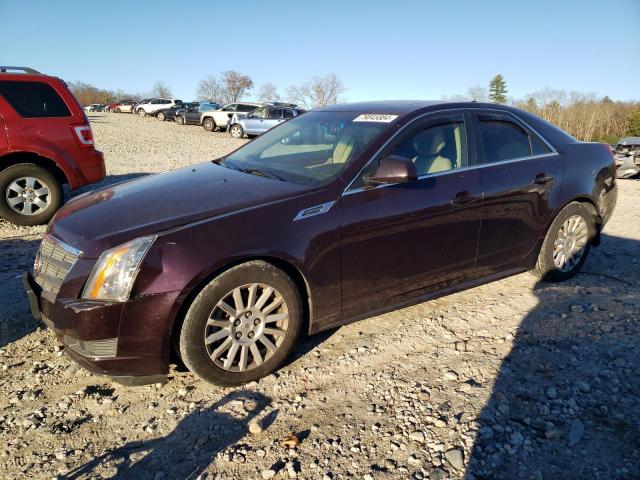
(543, 178)
(465, 198)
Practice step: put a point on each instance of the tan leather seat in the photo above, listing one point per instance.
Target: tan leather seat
(430, 144)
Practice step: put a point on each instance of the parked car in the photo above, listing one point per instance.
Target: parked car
(170, 113)
(124, 106)
(45, 141)
(219, 119)
(193, 116)
(134, 109)
(156, 104)
(339, 214)
(94, 107)
(627, 156)
(262, 119)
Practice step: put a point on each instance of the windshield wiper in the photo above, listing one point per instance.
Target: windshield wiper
(262, 173)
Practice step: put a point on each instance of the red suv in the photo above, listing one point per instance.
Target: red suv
(45, 141)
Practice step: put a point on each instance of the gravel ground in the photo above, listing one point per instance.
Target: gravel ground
(515, 379)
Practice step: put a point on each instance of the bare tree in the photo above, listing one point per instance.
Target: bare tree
(478, 93)
(236, 85)
(268, 93)
(211, 90)
(161, 89)
(317, 92)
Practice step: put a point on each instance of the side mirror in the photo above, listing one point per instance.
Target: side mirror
(393, 169)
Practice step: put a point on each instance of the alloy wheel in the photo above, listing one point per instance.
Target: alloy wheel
(236, 132)
(570, 243)
(246, 327)
(28, 196)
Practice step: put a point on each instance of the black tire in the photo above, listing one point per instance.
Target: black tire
(44, 178)
(161, 116)
(545, 267)
(236, 131)
(142, 112)
(209, 124)
(180, 120)
(118, 110)
(192, 348)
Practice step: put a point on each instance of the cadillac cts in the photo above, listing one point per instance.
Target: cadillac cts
(335, 215)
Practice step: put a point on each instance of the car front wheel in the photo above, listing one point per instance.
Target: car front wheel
(31, 195)
(161, 116)
(180, 120)
(236, 131)
(567, 243)
(242, 326)
(208, 124)
(141, 112)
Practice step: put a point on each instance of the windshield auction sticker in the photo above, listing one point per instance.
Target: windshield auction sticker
(375, 117)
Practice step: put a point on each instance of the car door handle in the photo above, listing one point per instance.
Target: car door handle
(465, 198)
(543, 178)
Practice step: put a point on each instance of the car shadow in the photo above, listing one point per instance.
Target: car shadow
(16, 256)
(565, 401)
(190, 448)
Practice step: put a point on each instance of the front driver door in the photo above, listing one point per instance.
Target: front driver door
(403, 241)
(253, 121)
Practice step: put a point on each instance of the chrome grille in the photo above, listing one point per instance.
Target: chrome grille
(54, 261)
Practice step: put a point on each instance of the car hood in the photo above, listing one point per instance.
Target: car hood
(99, 220)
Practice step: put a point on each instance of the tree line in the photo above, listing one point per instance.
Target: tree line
(585, 116)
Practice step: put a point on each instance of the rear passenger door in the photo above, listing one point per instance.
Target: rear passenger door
(521, 175)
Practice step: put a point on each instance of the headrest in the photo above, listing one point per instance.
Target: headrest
(429, 142)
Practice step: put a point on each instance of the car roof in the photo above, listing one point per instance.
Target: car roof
(404, 107)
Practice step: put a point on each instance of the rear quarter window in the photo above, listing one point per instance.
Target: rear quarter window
(33, 99)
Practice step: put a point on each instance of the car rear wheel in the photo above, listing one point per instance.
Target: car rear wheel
(567, 243)
(236, 131)
(208, 124)
(118, 110)
(180, 120)
(241, 326)
(31, 195)
(161, 116)
(141, 112)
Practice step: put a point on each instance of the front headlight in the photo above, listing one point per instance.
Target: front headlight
(113, 276)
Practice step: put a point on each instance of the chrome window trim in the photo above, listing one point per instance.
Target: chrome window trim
(462, 110)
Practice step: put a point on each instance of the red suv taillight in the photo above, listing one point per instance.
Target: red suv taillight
(83, 134)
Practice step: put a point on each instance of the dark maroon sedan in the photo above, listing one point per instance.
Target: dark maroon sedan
(336, 215)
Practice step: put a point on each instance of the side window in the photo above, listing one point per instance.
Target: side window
(246, 108)
(275, 113)
(288, 113)
(503, 140)
(154, 102)
(260, 113)
(538, 146)
(433, 148)
(230, 108)
(33, 99)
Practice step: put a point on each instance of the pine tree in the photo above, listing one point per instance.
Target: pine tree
(498, 89)
(531, 106)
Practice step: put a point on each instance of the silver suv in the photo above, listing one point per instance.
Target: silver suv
(219, 119)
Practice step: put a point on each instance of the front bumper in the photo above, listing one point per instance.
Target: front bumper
(127, 341)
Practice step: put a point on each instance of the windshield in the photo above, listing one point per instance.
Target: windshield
(310, 149)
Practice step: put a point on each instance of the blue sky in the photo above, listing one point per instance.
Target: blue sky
(380, 49)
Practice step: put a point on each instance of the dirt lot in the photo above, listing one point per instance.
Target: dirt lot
(516, 379)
